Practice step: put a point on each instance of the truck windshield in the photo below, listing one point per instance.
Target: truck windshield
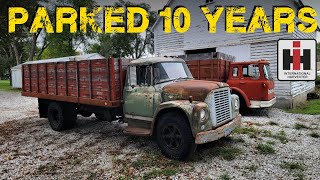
(267, 72)
(170, 71)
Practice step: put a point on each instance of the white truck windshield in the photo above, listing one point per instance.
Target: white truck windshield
(170, 71)
(267, 72)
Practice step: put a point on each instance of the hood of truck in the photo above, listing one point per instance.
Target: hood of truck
(184, 89)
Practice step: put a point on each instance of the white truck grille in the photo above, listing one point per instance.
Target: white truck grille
(219, 102)
(222, 100)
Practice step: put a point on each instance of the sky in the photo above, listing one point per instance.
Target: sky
(159, 4)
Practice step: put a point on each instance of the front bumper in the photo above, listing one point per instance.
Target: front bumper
(263, 104)
(220, 132)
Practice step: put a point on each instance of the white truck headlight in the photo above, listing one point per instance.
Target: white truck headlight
(203, 114)
(235, 102)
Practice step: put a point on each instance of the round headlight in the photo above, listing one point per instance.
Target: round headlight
(236, 103)
(202, 114)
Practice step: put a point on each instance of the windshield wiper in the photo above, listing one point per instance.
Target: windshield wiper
(179, 78)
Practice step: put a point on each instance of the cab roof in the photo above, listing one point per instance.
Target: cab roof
(153, 60)
(251, 62)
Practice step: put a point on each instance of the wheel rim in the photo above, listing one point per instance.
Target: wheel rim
(171, 136)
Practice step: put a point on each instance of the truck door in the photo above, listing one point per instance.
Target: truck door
(139, 93)
(250, 81)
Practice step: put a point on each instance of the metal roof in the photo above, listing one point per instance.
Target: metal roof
(95, 56)
(17, 67)
(154, 60)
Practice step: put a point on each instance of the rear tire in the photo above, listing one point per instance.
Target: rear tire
(174, 136)
(61, 116)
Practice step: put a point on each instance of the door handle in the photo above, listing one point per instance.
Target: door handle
(243, 83)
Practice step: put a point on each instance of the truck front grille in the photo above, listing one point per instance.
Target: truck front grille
(223, 105)
(219, 102)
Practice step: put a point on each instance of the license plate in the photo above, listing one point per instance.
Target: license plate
(227, 131)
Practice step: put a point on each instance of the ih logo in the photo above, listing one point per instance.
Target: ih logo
(297, 60)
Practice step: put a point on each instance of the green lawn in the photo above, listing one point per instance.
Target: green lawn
(312, 107)
(5, 86)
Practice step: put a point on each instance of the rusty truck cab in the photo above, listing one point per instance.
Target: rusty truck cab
(252, 81)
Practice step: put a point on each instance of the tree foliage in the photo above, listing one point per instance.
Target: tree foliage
(128, 45)
(21, 46)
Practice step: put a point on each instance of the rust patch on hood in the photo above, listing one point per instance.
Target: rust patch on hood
(196, 88)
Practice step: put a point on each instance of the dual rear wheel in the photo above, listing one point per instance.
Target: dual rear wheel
(61, 116)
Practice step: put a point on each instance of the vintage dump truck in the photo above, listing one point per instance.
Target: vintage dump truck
(155, 96)
(251, 80)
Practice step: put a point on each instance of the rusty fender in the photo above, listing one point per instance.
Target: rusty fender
(183, 105)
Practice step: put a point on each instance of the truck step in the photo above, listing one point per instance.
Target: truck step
(129, 130)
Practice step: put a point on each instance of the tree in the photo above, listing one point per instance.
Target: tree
(21, 46)
(128, 45)
(65, 44)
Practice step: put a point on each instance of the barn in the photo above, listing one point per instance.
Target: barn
(244, 47)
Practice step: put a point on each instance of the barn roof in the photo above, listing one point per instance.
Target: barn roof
(94, 56)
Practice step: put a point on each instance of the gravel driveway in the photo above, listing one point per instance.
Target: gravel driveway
(270, 145)
(14, 107)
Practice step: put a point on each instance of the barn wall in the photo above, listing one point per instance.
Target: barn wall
(198, 36)
(258, 45)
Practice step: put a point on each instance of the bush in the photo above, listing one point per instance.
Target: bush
(318, 80)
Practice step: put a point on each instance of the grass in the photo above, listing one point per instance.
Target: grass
(292, 166)
(160, 172)
(299, 126)
(230, 154)
(271, 143)
(299, 175)
(311, 108)
(296, 167)
(281, 136)
(252, 132)
(157, 166)
(266, 149)
(5, 86)
(252, 168)
(315, 135)
(225, 176)
(272, 123)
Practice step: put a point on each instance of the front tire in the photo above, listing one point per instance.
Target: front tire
(61, 116)
(174, 136)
